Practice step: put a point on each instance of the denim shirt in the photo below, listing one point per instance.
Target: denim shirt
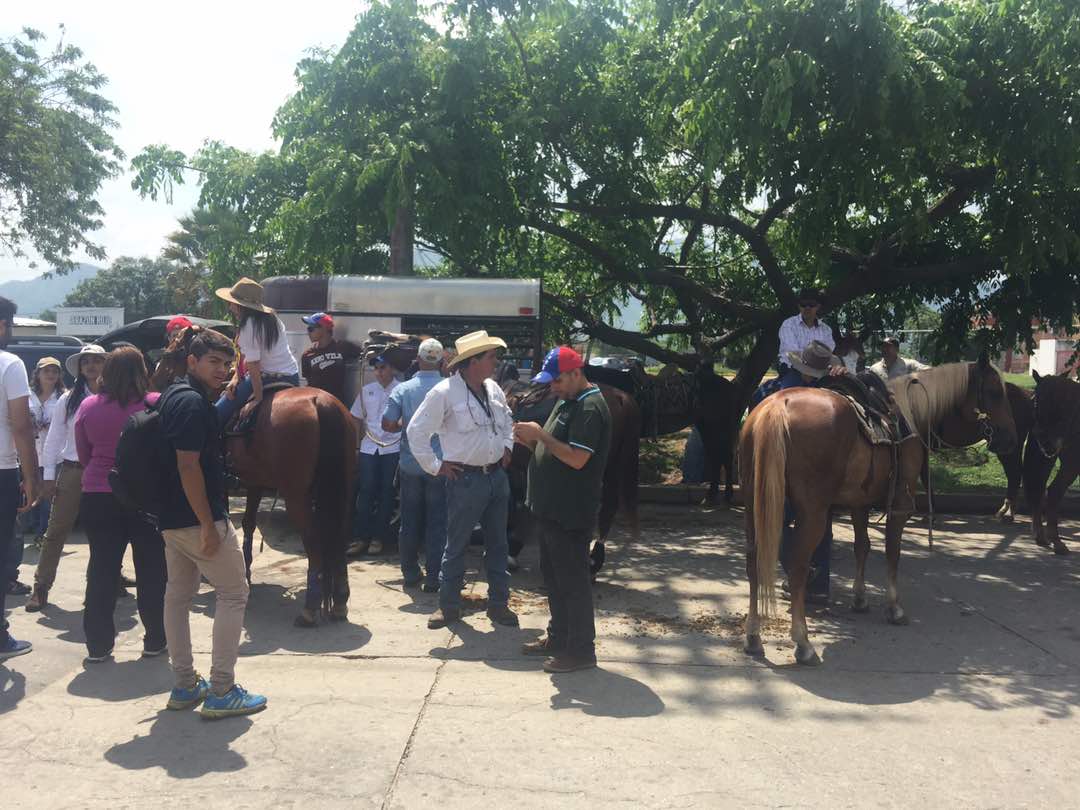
(403, 402)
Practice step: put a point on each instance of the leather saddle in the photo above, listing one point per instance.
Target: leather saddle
(245, 425)
(879, 421)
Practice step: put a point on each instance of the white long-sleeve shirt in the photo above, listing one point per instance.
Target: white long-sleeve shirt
(467, 433)
(368, 407)
(60, 441)
(796, 336)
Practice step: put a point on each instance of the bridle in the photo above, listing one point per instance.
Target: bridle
(1070, 429)
(982, 416)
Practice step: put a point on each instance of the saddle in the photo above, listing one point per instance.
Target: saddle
(245, 426)
(879, 421)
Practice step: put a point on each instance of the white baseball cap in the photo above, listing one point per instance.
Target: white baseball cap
(430, 351)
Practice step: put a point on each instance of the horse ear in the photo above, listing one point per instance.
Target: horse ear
(1036, 375)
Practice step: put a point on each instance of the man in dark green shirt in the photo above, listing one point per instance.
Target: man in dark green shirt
(566, 475)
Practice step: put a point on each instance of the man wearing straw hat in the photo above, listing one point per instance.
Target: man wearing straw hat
(468, 412)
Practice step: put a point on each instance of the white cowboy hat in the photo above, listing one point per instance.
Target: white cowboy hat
(473, 344)
(815, 360)
(247, 293)
(72, 362)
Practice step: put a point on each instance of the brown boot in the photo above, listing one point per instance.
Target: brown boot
(38, 599)
(441, 618)
(501, 614)
(541, 646)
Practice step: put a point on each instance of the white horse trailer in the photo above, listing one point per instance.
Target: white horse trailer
(445, 308)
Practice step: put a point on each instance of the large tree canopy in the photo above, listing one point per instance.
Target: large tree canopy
(708, 158)
(55, 149)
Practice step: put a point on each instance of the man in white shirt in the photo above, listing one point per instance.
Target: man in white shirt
(798, 332)
(892, 365)
(379, 450)
(16, 450)
(468, 412)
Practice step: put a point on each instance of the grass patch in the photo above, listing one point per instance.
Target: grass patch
(1021, 380)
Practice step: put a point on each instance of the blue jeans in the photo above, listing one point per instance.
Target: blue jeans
(423, 518)
(476, 498)
(693, 460)
(227, 407)
(374, 503)
(10, 497)
(790, 377)
(819, 560)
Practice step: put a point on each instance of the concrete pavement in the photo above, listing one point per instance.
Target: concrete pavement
(972, 705)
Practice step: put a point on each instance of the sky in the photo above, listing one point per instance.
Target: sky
(179, 74)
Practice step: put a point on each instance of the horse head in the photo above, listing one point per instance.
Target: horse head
(987, 399)
(1056, 401)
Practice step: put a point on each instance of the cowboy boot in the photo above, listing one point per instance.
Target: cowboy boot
(38, 599)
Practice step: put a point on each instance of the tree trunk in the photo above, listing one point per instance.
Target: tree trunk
(401, 237)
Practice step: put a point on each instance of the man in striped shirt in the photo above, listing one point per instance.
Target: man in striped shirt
(798, 332)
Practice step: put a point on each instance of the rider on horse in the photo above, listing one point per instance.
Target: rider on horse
(261, 338)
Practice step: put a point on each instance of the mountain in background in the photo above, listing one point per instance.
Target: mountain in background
(34, 296)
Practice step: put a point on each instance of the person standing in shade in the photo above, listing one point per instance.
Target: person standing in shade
(469, 414)
(798, 332)
(46, 388)
(16, 451)
(322, 365)
(62, 471)
(566, 475)
(377, 463)
(423, 496)
(892, 365)
(200, 540)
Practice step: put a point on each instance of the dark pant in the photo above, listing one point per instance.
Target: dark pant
(564, 562)
(109, 529)
(819, 560)
(227, 407)
(10, 497)
(423, 525)
(374, 496)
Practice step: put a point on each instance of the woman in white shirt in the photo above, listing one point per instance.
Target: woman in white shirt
(60, 469)
(262, 343)
(46, 386)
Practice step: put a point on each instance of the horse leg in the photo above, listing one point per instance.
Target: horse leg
(860, 519)
(251, 516)
(809, 529)
(1011, 464)
(298, 508)
(753, 645)
(1036, 471)
(894, 529)
(1062, 481)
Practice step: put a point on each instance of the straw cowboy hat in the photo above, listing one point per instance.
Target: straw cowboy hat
(72, 362)
(246, 293)
(473, 344)
(815, 360)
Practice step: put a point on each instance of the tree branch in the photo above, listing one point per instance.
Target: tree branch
(774, 212)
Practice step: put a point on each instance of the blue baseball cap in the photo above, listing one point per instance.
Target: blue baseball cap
(558, 361)
(318, 319)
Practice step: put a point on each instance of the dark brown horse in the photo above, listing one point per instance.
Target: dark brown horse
(804, 445)
(1055, 435)
(534, 403)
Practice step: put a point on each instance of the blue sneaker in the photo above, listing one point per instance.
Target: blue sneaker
(14, 649)
(186, 698)
(235, 702)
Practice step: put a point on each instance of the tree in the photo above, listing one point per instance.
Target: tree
(143, 287)
(55, 149)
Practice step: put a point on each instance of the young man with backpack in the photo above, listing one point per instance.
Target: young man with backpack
(200, 540)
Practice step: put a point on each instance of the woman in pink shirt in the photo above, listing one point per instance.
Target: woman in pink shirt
(109, 526)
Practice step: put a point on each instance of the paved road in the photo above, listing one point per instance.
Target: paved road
(972, 705)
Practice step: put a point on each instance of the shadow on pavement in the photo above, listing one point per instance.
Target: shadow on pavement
(184, 745)
(603, 693)
(271, 611)
(123, 680)
(12, 688)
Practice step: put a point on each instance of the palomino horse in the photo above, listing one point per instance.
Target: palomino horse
(534, 403)
(805, 445)
(1055, 435)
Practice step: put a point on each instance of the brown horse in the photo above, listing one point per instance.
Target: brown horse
(304, 446)
(534, 403)
(1055, 435)
(805, 445)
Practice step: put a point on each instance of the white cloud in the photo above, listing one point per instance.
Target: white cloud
(181, 73)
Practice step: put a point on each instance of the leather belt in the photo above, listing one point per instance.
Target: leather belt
(485, 469)
(75, 464)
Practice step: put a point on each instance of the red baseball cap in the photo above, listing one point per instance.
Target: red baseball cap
(558, 361)
(179, 322)
(319, 319)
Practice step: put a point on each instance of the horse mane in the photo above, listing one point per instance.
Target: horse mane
(926, 397)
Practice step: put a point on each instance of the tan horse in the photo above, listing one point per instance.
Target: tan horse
(804, 445)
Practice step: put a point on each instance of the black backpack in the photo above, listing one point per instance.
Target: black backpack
(144, 462)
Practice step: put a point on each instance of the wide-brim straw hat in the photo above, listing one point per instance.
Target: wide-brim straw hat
(72, 362)
(247, 293)
(473, 344)
(815, 360)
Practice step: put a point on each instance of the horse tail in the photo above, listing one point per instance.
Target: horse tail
(770, 472)
(331, 488)
(629, 461)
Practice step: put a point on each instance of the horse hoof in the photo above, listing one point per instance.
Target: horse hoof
(754, 647)
(860, 605)
(1060, 548)
(897, 617)
(807, 657)
(306, 620)
(1006, 517)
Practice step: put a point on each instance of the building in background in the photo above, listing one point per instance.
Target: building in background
(33, 326)
(88, 322)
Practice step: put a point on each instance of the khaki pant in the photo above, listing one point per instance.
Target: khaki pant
(225, 571)
(65, 510)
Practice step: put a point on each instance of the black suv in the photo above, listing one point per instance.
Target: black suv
(31, 348)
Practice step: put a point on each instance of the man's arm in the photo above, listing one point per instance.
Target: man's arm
(194, 484)
(530, 433)
(391, 416)
(788, 340)
(22, 431)
(55, 440)
(425, 423)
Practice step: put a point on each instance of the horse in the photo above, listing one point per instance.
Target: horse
(673, 401)
(849, 348)
(1055, 435)
(961, 428)
(534, 403)
(805, 446)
